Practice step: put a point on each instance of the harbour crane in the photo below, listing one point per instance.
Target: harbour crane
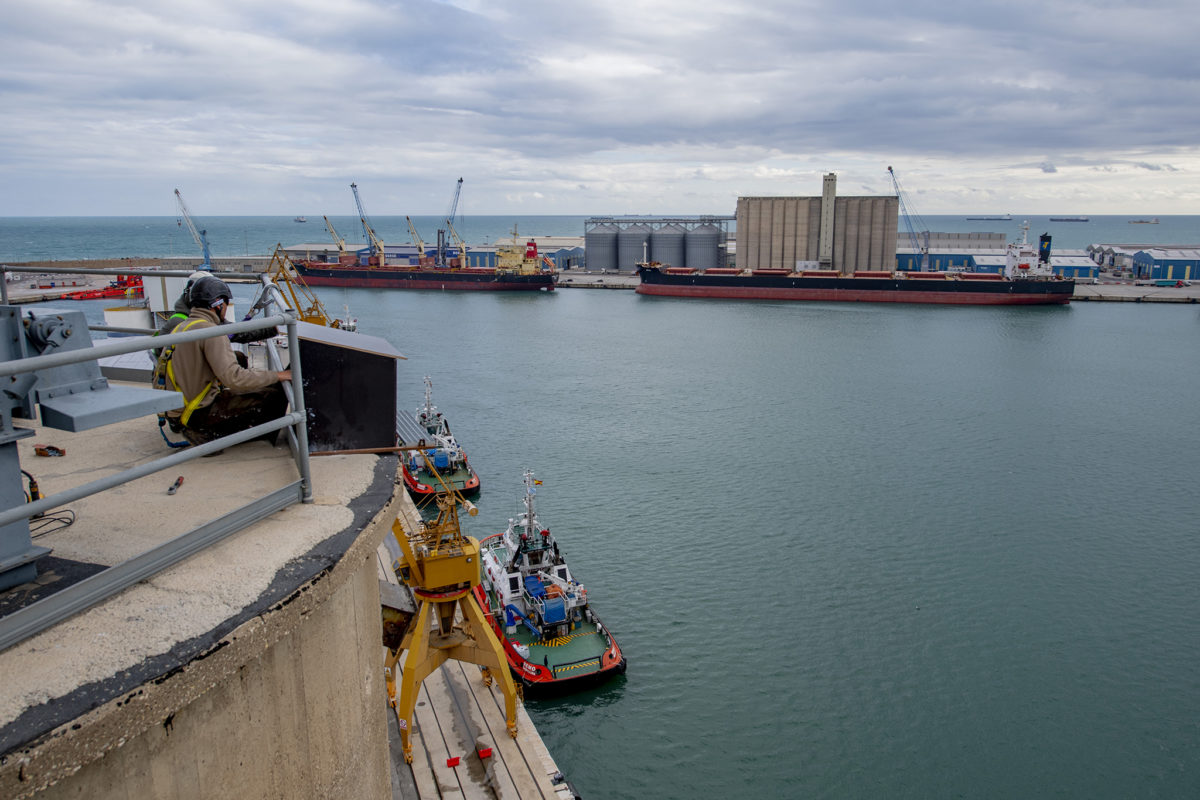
(458, 242)
(377, 251)
(440, 564)
(416, 237)
(201, 237)
(906, 212)
(338, 240)
(307, 305)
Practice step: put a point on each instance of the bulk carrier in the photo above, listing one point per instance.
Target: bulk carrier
(518, 269)
(1028, 279)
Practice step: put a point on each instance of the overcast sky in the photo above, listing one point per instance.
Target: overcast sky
(580, 107)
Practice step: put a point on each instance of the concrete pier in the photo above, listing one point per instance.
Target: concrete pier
(248, 670)
(253, 669)
(457, 717)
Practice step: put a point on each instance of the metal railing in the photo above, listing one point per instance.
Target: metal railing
(63, 604)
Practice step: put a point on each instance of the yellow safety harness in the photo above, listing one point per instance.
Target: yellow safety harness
(164, 377)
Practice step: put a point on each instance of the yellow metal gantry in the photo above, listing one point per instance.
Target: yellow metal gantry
(283, 272)
(441, 566)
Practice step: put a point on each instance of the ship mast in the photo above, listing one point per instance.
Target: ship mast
(529, 494)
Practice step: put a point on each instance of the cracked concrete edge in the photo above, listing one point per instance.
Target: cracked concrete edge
(61, 752)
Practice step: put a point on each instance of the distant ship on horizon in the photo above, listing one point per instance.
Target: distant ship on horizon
(1068, 219)
(1000, 217)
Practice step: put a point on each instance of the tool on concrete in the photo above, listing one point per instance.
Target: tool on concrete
(48, 450)
(175, 486)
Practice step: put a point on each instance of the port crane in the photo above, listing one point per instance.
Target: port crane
(441, 566)
(416, 237)
(377, 251)
(338, 240)
(905, 211)
(307, 305)
(201, 237)
(458, 242)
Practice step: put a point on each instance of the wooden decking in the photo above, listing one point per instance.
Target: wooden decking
(457, 717)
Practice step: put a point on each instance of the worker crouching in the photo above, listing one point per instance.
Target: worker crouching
(221, 396)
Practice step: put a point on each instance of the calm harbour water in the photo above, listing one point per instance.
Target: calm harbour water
(850, 550)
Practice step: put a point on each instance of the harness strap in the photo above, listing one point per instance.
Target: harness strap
(191, 405)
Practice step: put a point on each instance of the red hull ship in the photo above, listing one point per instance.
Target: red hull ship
(1028, 279)
(393, 276)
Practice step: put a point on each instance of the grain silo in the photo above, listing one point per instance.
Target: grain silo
(632, 243)
(704, 247)
(600, 248)
(667, 246)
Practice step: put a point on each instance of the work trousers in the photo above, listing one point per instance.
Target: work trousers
(231, 413)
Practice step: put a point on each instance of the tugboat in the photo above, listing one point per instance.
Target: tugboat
(441, 466)
(540, 613)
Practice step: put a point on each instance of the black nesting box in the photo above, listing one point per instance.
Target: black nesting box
(349, 389)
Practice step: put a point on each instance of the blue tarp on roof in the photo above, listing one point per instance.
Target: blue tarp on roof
(533, 585)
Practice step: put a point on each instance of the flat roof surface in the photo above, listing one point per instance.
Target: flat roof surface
(165, 621)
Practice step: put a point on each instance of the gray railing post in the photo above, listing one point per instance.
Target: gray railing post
(298, 408)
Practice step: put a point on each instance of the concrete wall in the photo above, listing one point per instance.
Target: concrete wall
(293, 706)
(776, 232)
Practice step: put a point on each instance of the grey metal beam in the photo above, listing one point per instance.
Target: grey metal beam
(117, 347)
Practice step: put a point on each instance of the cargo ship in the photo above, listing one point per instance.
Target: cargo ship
(518, 269)
(552, 639)
(1028, 279)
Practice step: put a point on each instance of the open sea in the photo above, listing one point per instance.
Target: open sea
(850, 550)
(69, 238)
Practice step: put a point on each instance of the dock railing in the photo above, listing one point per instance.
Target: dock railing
(59, 606)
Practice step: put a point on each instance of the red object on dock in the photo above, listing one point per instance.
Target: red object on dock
(485, 752)
(452, 762)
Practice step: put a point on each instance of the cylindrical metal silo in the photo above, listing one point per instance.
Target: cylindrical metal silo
(600, 248)
(632, 245)
(704, 247)
(666, 246)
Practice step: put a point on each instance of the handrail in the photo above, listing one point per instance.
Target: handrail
(132, 344)
(140, 272)
(40, 615)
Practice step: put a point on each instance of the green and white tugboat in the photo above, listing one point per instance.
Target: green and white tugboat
(444, 464)
(552, 638)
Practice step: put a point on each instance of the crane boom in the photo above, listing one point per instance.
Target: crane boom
(416, 237)
(454, 202)
(338, 240)
(905, 211)
(306, 304)
(201, 237)
(458, 242)
(372, 240)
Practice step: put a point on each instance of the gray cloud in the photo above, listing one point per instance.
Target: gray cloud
(273, 107)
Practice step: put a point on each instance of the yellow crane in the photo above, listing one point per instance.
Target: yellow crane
(338, 240)
(416, 237)
(310, 309)
(441, 566)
